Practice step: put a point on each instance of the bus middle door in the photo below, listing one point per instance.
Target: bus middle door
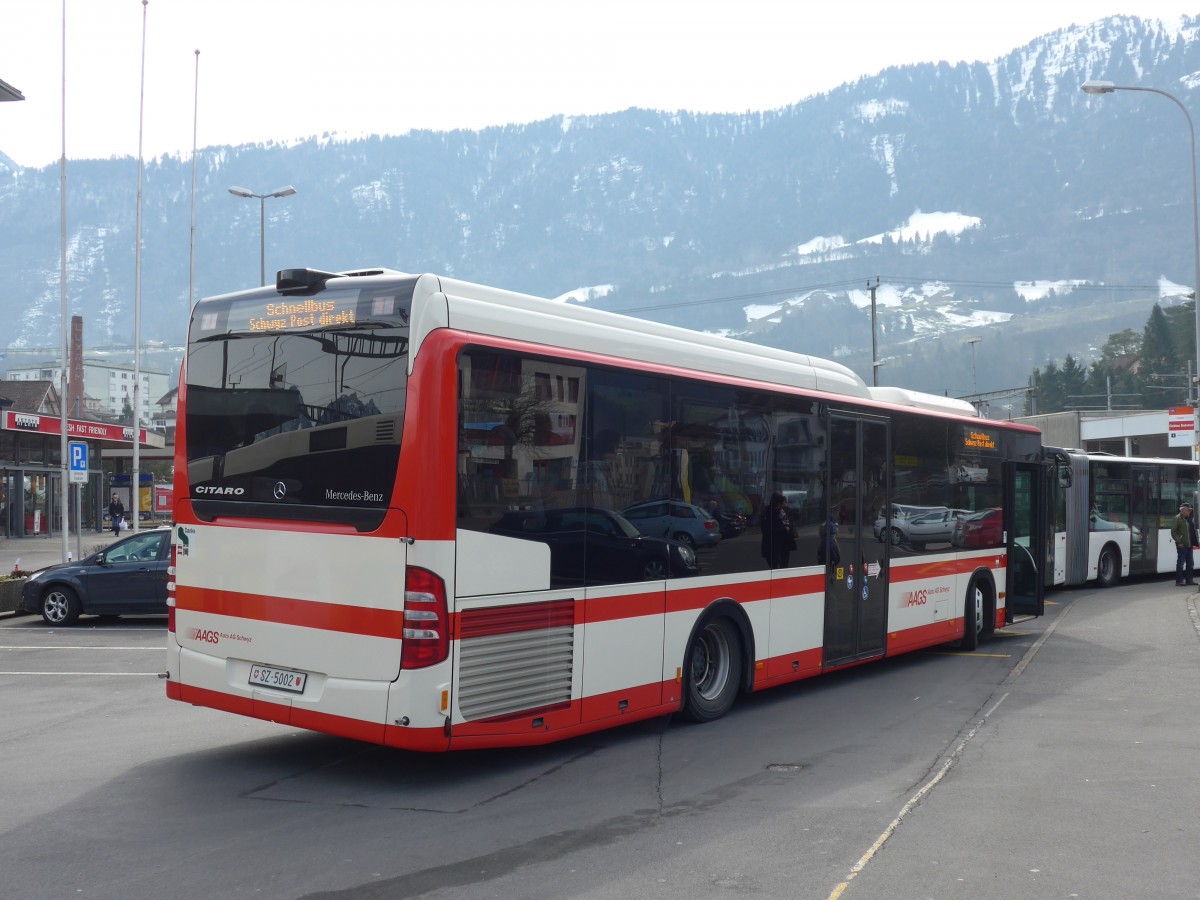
(856, 585)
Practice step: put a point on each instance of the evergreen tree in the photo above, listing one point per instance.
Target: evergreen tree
(1115, 371)
(1051, 398)
(1074, 384)
(1182, 323)
(1164, 360)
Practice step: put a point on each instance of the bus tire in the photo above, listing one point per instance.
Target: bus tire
(712, 670)
(974, 616)
(1108, 568)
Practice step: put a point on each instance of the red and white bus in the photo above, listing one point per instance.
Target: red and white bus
(436, 515)
(1110, 516)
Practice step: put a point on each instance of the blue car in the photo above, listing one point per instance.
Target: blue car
(128, 577)
(674, 519)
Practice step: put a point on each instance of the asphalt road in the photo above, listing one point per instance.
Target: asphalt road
(1054, 762)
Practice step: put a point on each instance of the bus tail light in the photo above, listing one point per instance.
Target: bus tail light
(171, 592)
(426, 620)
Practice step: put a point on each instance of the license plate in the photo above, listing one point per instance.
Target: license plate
(284, 679)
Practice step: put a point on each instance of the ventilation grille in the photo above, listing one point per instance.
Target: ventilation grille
(385, 431)
(516, 658)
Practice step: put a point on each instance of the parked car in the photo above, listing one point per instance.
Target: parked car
(1097, 522)
(674, 519)
(900, 511)
(128, 577)
(731, 522)
(982, 529)
(927, 528)
(594, 544)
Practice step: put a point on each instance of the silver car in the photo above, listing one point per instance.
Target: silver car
(935, 527)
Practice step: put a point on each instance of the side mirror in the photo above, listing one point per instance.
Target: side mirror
(100, 560)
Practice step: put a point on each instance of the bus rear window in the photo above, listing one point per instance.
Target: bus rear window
(298, 422)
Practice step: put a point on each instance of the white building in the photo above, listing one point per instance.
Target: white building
(110, 383)
(1145, 433)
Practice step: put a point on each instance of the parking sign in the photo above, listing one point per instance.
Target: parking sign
(77, 454)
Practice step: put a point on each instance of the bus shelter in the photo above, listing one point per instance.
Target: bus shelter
(31, 471)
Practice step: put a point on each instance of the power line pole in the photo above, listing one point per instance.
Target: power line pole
(875, 364)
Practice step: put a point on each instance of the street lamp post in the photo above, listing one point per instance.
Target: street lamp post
(1107, 87)
(973, 341)
(262, 221)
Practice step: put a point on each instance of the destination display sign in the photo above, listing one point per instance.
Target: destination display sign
(272, 314)
(975, 438)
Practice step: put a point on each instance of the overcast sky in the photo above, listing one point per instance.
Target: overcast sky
(288, 69)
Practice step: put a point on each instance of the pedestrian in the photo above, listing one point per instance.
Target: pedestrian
(828, 552)
(778, 533)
(116, 512)
(1183, 533)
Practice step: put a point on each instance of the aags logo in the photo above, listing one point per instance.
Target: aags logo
(915, 598)
(205, 635)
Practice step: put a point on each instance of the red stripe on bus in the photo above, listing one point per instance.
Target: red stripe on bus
(475, 623)
(625, 606)
(257, 708)
(948, 567)
(795, 666)
(363, 620)
(531, 616)
(928, 635)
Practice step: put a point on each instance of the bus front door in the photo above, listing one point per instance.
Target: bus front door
(856, 576)
(1026, 528)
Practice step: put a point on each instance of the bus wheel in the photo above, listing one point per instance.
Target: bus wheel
(60, 606)
(1108, 569)
(973, 616)
(712, 671)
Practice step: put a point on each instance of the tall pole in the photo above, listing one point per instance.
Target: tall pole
(973, 341)
(262, 241)
(262, 221)
(136, 476)
(874, 349)
(1107, 87)
(65, 463)
(192, 236)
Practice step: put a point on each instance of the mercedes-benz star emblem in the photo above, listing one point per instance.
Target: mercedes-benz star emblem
(280, 490)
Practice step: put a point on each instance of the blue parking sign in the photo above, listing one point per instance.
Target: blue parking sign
(77, 455)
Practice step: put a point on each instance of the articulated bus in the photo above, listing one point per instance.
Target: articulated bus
(436, 515)
(1110, 516)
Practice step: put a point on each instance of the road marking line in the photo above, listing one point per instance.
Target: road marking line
(82, 647)
(912, 803)
(81, 673)
(950, 761)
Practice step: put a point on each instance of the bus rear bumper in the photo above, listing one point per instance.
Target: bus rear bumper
(343, 707)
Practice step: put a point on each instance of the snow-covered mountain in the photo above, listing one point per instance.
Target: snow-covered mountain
(992, 200)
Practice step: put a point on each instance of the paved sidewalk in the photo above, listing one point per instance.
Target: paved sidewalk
(38, 552)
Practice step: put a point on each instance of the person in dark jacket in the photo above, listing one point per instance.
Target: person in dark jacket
(778, 534)
(116, 512)
(1183, 533)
